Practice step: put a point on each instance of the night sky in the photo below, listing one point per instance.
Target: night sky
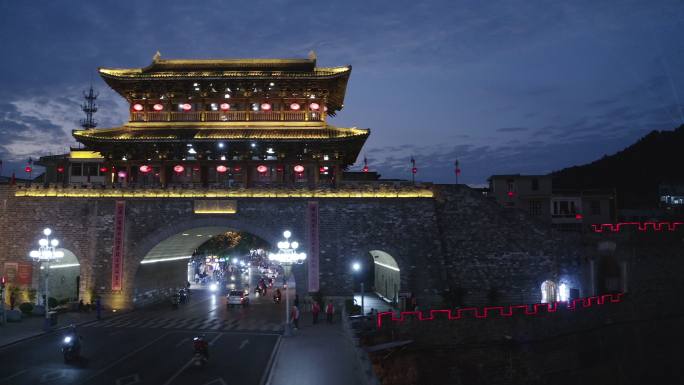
(505, 87)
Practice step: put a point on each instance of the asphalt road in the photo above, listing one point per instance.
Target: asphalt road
(153, 346)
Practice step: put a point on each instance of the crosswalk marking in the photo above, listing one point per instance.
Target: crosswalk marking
(145, 322)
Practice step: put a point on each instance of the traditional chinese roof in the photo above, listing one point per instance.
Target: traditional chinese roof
(352, 139)
(289, 73)
(128, 133)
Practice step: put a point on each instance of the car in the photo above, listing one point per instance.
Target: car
(237, 297)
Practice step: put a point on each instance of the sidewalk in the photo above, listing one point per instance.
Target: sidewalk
(32, 326)
(316, 354)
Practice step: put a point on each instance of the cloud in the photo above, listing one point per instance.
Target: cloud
(512, 129)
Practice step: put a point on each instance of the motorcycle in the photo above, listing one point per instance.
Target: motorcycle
(71, 347)
(201, 355)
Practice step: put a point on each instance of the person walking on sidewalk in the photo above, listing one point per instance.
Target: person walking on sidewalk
(98, 307)
(294, 316)
(315, 309)
(329, 311)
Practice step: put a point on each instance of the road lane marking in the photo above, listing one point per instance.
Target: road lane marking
(182, 342)
(211, 343)
(243, 344)
(52, 375)
(129, 380)
(126, 357)
(267, 377)
(13, 375)
(217, 381)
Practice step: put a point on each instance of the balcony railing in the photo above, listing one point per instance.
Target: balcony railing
(227, 116)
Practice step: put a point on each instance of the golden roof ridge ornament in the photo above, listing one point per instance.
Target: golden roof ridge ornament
(312, 55)
(156, 57)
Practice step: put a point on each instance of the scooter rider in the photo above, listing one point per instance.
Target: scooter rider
(201, 346)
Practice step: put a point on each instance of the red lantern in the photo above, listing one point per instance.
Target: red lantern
(323, 169)
(195, 168)
(414, 170)
(28, 169)
(158, 107)
(510, 194)
(60, 169)
(314, 106)
(225, 106)
(265, 106)
(299, 168)
(221, 168)
(365, 169)
(262, 169)
(578, 216)
(138, 107)
(279, 168)
(145, 169)
(121, 174)
(237, 169)
(103, 169)
(295, 106)
(186, 106)
(178, 168)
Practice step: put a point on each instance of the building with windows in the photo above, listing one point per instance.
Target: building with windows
(564, 209)
(218, 123)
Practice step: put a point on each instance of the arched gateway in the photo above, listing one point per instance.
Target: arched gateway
(246, 144)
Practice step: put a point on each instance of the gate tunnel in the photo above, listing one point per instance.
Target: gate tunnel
(164, 268)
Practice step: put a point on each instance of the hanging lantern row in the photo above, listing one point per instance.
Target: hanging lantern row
(225, 107)
(220, 168)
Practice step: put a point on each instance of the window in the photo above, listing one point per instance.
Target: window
(535, 184)
(535, 208)
(76, 169)
(511, 185)
(90, 169)
(595, 207)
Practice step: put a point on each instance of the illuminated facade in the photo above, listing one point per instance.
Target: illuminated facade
(219, 123)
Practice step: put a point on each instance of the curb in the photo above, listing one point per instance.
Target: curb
(57, 329)
(267, 377)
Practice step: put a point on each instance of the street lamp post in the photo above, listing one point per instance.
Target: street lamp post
(357, 268)
(44, 255)
(286, 256)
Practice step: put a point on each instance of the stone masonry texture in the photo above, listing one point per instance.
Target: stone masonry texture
(456, 240)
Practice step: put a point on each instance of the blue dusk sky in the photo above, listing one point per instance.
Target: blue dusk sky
(503, 86)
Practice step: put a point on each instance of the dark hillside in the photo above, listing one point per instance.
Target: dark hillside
(634, 172)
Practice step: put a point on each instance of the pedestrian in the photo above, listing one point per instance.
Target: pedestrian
(315, 309)
(13, 299)
(296, 300)
(294, 316)
(329, 311)
(98, 307)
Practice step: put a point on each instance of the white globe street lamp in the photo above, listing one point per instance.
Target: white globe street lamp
(286, 256)
(44, 255)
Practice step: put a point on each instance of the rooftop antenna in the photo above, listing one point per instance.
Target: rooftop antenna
(89, 107)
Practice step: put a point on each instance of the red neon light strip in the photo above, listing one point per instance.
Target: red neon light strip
(645, 226)
(502, 311)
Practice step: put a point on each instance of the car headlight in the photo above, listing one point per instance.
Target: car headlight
(213, 287)
(67, 339)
